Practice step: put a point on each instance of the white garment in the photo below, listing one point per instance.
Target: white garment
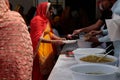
(113, 26)
(55, 32)
(116, 7)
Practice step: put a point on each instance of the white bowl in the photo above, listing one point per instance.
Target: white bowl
(113, 58)
(82, 51)
(94, 72)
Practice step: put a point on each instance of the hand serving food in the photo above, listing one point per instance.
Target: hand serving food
(70, 36)
(87, 36)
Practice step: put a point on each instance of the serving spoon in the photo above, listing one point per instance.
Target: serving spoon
(104, 56)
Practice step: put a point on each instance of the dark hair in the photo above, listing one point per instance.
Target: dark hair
(30, 14)
(51, 6)
(11, 7)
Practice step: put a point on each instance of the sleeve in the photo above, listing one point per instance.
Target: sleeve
(105, 32)
(107, 14)
(104, 39)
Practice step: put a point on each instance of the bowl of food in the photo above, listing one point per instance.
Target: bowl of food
(96, 58)
(94, 72)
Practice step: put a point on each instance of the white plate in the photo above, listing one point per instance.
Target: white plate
(88, 50)
(69, 41)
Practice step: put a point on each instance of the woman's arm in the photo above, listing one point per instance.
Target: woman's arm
(54, 39)
(57, 42)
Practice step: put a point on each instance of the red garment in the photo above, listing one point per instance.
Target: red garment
(36, 74)
(40, 20)
(38, 25)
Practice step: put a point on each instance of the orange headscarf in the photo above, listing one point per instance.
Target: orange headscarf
(39, 22)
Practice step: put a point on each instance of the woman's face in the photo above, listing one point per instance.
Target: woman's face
(50, 12)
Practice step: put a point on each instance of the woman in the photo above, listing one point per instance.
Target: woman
(43, 39)
(15, 45)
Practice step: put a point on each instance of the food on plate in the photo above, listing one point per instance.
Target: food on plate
(94, 58)
(87, 36)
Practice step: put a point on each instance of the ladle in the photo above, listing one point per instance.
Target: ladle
(108, 46)
(104, 56)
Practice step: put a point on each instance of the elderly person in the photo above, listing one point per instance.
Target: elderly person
(16, 53)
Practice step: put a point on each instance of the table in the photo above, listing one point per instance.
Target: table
(61, 69)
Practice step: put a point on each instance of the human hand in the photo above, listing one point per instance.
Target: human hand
(62, 38)
(91, 34)
(69, 36)
(94, 33)
(92, 39)
(77, 31)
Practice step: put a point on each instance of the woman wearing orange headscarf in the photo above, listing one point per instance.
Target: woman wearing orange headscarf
(16, 52)
(43, 39)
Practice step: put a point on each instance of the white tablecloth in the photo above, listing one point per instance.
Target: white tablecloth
(61, 69)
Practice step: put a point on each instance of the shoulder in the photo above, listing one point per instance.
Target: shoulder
(15, 13)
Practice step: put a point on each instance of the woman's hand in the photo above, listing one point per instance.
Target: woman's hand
(69, 36)
(62, 38)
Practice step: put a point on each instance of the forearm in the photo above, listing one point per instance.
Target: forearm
(95, 26)
(57, 37)
(46, 40)
(56, 42)
(90, 28)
